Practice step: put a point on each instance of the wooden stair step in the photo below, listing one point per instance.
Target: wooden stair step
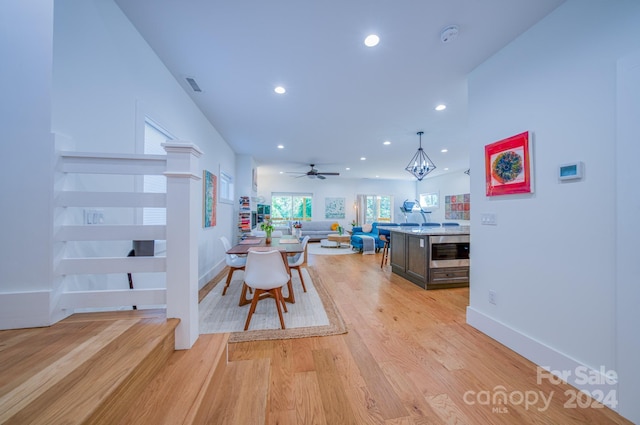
(240, 397)
(94, 365)
(176, 393)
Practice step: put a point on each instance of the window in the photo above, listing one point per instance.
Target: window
(291, 207)
(154, 137)
(430, 200)
(378, 209)
(375, 208)
(226, 188)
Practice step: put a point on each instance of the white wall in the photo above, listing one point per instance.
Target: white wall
(455, 183)
(26, 148)
(551, 257)
(628, 229)
(245, 167)
(81, 71)
(106, 79)
(337, 187)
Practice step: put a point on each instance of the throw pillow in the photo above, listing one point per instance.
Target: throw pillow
(366, 228)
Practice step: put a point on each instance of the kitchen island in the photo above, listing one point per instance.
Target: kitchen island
(431, 257)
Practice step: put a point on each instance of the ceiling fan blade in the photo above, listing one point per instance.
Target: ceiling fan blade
(313, 173)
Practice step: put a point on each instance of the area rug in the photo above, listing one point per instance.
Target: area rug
(313, 314)
(316, 249)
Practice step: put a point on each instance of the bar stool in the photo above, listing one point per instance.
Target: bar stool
(385, 236)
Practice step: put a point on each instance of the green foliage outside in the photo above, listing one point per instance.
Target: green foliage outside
(378, 209)
(291, 208)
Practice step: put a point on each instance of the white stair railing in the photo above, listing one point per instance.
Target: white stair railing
(180, 295)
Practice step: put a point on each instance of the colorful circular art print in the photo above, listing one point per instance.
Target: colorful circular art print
(506, 167)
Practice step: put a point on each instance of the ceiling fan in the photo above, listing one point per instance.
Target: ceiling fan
(314, 173)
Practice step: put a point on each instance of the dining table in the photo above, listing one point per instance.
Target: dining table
(287, 245)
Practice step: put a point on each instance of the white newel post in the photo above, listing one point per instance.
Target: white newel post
(184, 193)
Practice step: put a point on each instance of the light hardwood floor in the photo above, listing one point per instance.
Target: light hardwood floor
(409, 358)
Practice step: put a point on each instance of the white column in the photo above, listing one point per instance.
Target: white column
(184, 193)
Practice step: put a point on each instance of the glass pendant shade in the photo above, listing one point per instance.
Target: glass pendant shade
(420, 165)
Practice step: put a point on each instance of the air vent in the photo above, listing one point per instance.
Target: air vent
(194, 85)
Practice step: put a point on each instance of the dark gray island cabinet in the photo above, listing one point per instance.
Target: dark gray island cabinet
(431, 257)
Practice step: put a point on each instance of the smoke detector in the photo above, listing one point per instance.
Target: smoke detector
(449, 34)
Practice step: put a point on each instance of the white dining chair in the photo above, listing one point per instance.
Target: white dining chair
(296, 261)
(266, 273)
(233, 261)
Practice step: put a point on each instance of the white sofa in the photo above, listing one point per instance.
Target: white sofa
(317, 230)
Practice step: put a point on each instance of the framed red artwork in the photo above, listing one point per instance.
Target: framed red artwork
(508, 166)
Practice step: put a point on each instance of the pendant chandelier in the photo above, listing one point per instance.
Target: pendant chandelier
(420, 165)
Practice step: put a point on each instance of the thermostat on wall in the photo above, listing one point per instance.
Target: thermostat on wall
(571, 171)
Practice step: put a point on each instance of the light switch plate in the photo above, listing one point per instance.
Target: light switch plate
(488, 219)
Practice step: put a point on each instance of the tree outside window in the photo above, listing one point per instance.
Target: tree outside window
(291, 207)
(378, 209)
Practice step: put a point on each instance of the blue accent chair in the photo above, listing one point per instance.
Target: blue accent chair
(356, 241)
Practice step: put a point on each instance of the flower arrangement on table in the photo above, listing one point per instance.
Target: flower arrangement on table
(338, 227)
(297, 229)
(267, 226)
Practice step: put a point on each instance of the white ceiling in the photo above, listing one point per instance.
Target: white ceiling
(343, 99)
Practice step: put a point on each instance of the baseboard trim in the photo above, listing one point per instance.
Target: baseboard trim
(20, 310)
(576, 374)
(213, 272)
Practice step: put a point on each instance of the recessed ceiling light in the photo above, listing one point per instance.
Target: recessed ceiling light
(347, 168)
(386, 142)
(280, 146)
(446, 169)
(444, 150)
(441, 107)
(280, 90)
(363, 158)
(281, 172)
(371, 40)
(377, 176)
